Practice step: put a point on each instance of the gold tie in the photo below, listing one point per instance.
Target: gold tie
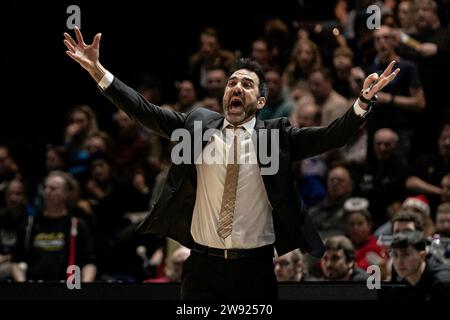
(229, 194)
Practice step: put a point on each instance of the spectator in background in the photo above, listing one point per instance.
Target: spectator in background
(82, 122)
(306, 115)
(421, 206)
(338, 262)
(210, 54)
(278, 103)
(149, 87)
(216, 80)
(100, 141)
(354, 154)
(429, 280)
(399, 104)
(130, 147)
(310, 172)
(401, 220)
(443, 220)
(55, 159)
(389, 19)
(262, 53)
(356, 80)
(445, 186)
(405, 16)
(112, 201)
(383, 178)
(187, 96)
(429, 169)
(276, 32)
(406, 220)
(289, 267)
(431, 53)
(342, 64)
(46, 244)
(304, 58)
(359, 230)
(12, 216)
(328, 216)
(213, 104)
(332, 104)
(8, 171)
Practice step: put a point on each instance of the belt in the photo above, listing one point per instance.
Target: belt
(234, 254)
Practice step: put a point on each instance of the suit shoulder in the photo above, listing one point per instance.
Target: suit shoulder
(202, 114)
(281, 122)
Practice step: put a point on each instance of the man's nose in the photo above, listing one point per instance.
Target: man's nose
(237, 90)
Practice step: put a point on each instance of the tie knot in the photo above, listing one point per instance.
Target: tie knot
(230, 126)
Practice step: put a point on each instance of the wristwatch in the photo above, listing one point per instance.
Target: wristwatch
(367, 101)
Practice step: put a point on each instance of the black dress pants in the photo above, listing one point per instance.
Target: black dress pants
(207, 277)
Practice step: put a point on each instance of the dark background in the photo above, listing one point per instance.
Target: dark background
(40, 83)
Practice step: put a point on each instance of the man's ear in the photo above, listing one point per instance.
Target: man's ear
(261, 102)
(423, 255)
(351, 265)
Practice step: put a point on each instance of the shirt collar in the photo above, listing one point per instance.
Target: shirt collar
(248, 126)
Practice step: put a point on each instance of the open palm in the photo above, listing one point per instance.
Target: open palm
(86, 55)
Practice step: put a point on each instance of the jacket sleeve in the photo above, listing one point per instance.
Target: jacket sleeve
(311, 141)
(160, 120)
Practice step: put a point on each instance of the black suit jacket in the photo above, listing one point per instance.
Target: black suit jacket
(171, 215)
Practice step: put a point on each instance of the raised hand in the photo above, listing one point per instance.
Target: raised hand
(374, 83)
(86, 55)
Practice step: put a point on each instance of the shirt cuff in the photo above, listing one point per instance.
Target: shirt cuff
(360, 112)
(106, 81)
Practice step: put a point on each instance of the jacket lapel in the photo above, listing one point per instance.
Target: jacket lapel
(214, 123)
(255, 138)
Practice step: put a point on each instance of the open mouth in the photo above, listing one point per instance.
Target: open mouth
(236, 106)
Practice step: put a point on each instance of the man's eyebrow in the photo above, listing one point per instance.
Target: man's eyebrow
(248, 79)
(243, 78)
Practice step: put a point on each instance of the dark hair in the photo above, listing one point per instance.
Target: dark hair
(252, 66)
(403, 240)
(210, 32)
(408, 216)
(61, 152)
(341, 243)
(23, 183)
(364, 212)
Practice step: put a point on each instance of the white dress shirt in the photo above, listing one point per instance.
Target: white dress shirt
(252, 219)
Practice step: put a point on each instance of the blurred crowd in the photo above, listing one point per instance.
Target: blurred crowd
(384, 199)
